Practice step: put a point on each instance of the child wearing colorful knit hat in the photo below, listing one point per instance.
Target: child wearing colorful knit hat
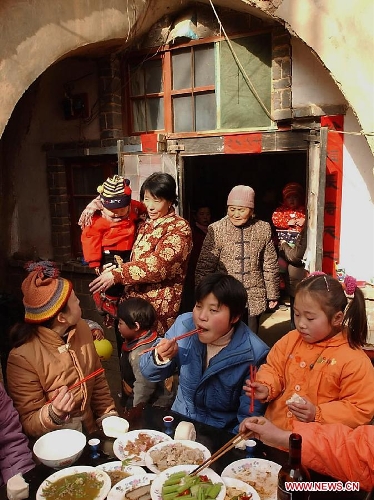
(109, 238)
(112, 229)
(52, 350)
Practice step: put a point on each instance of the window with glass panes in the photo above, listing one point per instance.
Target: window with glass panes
(203, 87)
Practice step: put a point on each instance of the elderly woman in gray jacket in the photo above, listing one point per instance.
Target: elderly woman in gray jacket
(242, 246)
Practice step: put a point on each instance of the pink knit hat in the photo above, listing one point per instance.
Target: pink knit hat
(241, 196)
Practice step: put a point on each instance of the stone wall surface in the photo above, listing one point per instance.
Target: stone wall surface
(35, 34)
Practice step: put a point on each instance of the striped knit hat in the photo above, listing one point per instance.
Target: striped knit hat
(44, 293)
(115, 192)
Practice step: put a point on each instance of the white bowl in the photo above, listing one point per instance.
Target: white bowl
(58, 449)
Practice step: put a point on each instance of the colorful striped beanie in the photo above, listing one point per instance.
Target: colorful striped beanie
(44, 292)
(115, 192)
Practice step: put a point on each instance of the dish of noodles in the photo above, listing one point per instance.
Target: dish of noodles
(116, 471)
(83, 482)
(261, 474)
(134, 445)
(164, 455)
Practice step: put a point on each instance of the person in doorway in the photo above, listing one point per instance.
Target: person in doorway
(199, 228)
(319, 372)
(15, 455)
(332, 449)
(159, 259)
(52, 350)
(241, 245)
(289, 220)
(293, 256)
(214, 362)
(137, 318)
(290, 215)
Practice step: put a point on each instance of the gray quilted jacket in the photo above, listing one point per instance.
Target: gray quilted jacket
(248, 254)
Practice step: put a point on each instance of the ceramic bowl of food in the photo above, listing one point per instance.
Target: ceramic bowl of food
(60, 448)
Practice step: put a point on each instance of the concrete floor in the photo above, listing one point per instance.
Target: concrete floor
(272, 327)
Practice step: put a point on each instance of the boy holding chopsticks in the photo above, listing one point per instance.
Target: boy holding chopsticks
(214, 362)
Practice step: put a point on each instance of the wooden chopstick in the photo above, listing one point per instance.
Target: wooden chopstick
(253, 373)
(88, 377)
(218, 454)
(180, 337)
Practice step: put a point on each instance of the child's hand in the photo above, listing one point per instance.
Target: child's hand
(305, 412)
(167, 349)
(261, 392)
(97, 334)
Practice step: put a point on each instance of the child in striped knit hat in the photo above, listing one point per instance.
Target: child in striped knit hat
(110, 235)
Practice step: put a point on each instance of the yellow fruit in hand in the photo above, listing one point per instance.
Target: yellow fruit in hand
(103, 348)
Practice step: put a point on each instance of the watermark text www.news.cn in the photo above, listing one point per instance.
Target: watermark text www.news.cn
(322, 486)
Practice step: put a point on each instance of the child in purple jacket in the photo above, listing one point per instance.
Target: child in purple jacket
(15, 455)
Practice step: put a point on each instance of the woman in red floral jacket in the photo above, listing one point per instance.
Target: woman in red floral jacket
(159, 259)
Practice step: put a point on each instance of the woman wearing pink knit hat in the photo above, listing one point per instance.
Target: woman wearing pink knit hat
(241, 245)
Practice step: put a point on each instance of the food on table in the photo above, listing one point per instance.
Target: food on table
(264, 482)
(140, 444)
(199, 487)
(236, 494)
(114, 426)
(176, 454)
(83, 485)
(185, 430)
(116, 475)
(141, 493)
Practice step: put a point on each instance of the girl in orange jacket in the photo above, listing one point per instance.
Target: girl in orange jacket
(319, 372)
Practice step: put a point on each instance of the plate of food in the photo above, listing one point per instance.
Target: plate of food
(80, 481)
(134, 445)
(167, 454)
(135, 487)
(261, 474)
(117, 471)
(239, 490)
(176, 480)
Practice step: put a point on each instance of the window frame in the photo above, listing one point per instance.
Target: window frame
(165, 54)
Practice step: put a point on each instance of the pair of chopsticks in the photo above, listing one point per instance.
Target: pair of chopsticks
(180, 337)
(252, 376)
(218, 454)
(88, 377)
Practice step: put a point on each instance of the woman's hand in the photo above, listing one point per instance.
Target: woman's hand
(167, 349)
(265, 431)
(102, 282)
(261, 392)
(305, 412)
(62, 401)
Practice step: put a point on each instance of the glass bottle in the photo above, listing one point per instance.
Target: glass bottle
(293, 472)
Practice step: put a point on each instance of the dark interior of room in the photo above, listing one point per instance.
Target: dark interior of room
(209, 178)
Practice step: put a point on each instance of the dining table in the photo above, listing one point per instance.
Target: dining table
(151, 417)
